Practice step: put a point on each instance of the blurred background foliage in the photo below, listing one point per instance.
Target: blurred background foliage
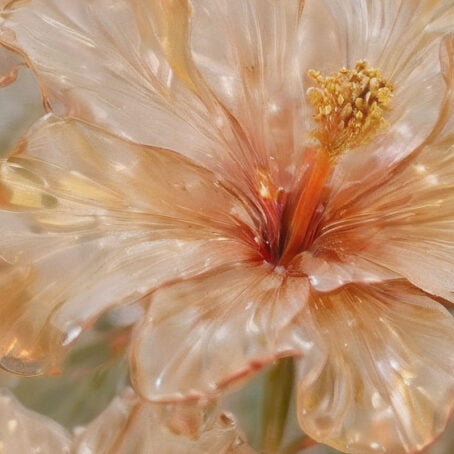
(20, 106)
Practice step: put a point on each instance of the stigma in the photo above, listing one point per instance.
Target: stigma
(349, 107)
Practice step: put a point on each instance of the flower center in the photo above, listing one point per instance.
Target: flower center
(349, 112)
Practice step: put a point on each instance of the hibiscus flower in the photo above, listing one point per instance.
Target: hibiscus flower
(265, 178)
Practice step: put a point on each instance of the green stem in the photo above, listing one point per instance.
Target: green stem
(276, 401)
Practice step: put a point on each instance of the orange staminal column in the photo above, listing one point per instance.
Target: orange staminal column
(301, 209)
(349, 109)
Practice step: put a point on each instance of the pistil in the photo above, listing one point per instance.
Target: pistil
(349, 112)
(302, 208)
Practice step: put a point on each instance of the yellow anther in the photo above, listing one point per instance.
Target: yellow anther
(327, 110)
(359, 103)
(350, 107)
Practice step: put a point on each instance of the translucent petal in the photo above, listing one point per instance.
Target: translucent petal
(403, 227)
(127, 425)
(136, 428)
(381, 224)
(94, 370)
(23, 431)
(207, 333)
(249, 52)
(359, 173)
(387, 384)
(120, 65)
(402, 39)
(131, 71)
(328, 270)
(90, 221)
(390, 34)
(155, 185)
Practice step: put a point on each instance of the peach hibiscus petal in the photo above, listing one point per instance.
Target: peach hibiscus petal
(402, 39)
(359, 173)
(380, 225)
(127, 425)
(402, 228)
(23, 431)
(249, 53)
(89, 221)
(136, 427)
(133, 72)
(119, 65)
(205, 334)
(388, 383)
